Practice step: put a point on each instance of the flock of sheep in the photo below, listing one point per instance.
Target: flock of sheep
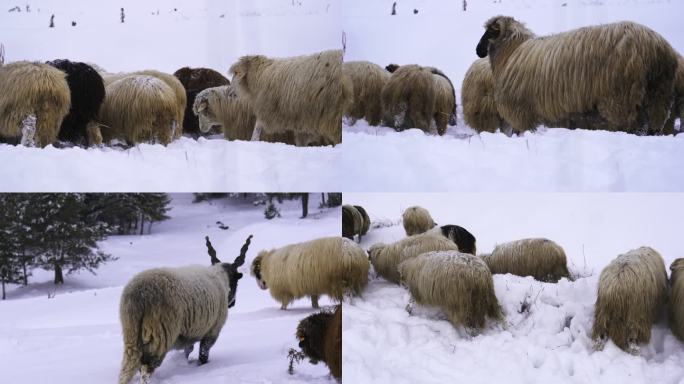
(616, 77)
(297, 100)
(174, 308)
(440, 268)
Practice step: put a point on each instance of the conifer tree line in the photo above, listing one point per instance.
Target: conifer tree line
(329, 200)
(59, 231)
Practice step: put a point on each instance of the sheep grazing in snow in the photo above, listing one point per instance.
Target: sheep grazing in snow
(87, 94)
(195, 80)
(367, 79)
(632, 290)
(445, 101)
(408, 98)
(678, 106)
(573, 76)
(477, 98)
(355, 221)
(458, 283)
(138, 109)
(356, 266)
(34, 100)
(386, 258)
(220, 109)
(459, 235)
(417, 220)
(542, 259)
(311, 268)
(165, 308)
(320, 338)
(676, 304)
(304, 95)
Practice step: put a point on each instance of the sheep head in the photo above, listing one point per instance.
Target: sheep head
(255, 270)
(392, 67)
(311, 335)
(231, 269)
(498, 30)
(246, 70)
(202, 107)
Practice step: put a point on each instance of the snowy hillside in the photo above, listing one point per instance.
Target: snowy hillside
(167, 35)
(549, 342)
(76, 334)
(442, 35)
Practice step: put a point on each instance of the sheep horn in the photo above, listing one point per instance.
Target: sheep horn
(211, 251)
(243, 251)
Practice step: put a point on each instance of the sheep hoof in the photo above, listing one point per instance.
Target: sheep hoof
(28, 131)
(633, 348)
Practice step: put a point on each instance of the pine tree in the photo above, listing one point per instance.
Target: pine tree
(334, 200)
(10, 247)
(127, 212)
(68, 235)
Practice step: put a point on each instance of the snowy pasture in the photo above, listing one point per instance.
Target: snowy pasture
(168, 35)
(546, 337)
(76, 334)
(442, 35)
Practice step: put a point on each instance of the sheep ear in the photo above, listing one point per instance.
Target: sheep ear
(238, 276)
(202, 105)
(211, 251)
(243, 251)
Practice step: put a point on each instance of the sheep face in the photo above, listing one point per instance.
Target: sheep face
(233, 277)
(207, 116)
(255, 270)
(374, 250)
(311, 333)
(498, 30)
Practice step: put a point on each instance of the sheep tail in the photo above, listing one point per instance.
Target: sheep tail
(132, 328)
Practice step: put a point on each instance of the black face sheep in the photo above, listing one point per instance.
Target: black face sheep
(34, 100)
(477, 98)
(355, 266)
(459, 235)
(305, 95)
(408, 98)
(367, 79)
(676, 304)
(632, 290)
(542, 259)
(417, 220)
(138, 109)
(167, 308)
(572, 74)
(311, 268)
(221, 109)
(195, 80)
(87, 94)
(458, 283)
(320, 338)
(386, 258)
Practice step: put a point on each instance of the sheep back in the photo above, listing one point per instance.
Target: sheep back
(542, 259)
(417, 220)
(458, 283)
(355, 266)
(366, 220)
(367, 80)
(676, 304)
(477, 98)
(408, 98)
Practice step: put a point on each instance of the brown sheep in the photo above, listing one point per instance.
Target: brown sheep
(320, 338)
(368, 79)
(195, 80)
(676, 304)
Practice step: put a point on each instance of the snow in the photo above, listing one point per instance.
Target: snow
(167, 35)
(551, 341)
(442, 35)
(76, 333)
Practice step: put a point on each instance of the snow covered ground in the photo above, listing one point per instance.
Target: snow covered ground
(442, 35)
(550, 342)
(76, 334)
(167, 35)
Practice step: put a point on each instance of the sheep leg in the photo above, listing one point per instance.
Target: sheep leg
(28, 131)
(258, 127)
(314, 301)
(174, 126)
(188, 350)
(409, 306)
(94, 134)
(205, 344)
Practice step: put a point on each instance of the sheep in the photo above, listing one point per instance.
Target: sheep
(632, 290)
(138, 108)
(477, 98)
(386, 258)
(366, 220)
(417, 220)
(165, 308)
(459, 235)
(540, 258)
(305, 95)
(458, 283)
(408, 98)
(34, 100)
(445, 101)
(573, 76)
(356, 267)
(87, 92)
(676, 304)
(320, 338)
(176, 86)
(310, 268)
(355, 221)
(195, 80)
(367, 79)
(678, 106)
(221, 109)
